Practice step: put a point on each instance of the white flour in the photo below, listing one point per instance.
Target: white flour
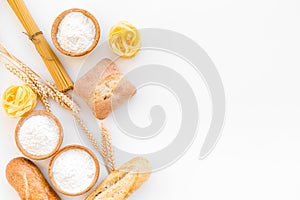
(76, 32)
(73, 171)
(38, 135)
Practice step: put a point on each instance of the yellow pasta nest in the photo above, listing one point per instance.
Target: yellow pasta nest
(124, 39)
(18, 100)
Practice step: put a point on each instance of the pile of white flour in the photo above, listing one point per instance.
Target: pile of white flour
(76, 32)
(38, 135)
(73, 171)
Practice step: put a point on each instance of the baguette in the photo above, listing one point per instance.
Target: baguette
(28, 181)
(122, 182)
(104, 88)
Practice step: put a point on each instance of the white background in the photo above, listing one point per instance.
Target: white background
(255, 46)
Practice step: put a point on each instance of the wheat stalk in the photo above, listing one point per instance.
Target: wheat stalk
(21, 75)
(107, 150)
(87, 132)
(45, 89)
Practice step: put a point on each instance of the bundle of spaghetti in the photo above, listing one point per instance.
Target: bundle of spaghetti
(58, 73)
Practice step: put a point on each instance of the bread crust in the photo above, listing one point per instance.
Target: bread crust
(28, 180)
(122, 182)
(122, 92)
(88, 87)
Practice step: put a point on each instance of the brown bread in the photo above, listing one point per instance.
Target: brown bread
(28, 181)
(120, 183)
(104, 88)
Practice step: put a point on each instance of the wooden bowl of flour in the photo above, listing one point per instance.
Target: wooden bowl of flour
(75, 32)
(73, 170)
(38, 135)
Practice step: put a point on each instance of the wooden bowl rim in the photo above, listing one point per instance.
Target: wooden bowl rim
(66, 148)
(23, 119)
(55, 29)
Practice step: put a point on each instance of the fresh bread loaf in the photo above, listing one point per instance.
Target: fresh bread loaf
(28, 181)
(120, 183)
(104, 88)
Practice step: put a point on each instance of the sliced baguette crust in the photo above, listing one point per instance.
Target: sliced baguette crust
(89, 89)
(121, 93)
(102, 106)
(85, 86)
(141, 168)
(28, 181)
(122, 182)
(119, 190)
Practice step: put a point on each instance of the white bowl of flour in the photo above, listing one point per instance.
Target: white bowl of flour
(73, 170)
(39, 135)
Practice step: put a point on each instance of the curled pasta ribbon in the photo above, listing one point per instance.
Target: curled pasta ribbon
(18, 100)
(124, 39)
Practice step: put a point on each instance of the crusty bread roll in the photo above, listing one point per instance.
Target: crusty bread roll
(28, 180)
(120, 183)
(104, 88)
